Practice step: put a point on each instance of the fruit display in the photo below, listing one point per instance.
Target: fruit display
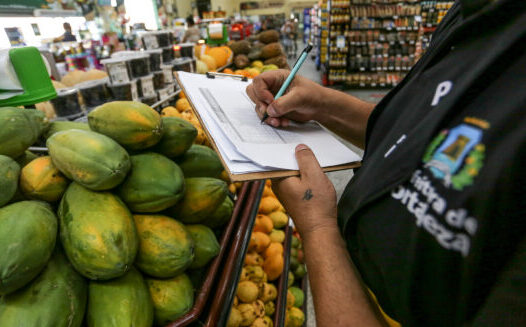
(256, 297)
(247, 58)
(107, 228)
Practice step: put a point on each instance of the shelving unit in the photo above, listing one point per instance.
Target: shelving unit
(375, 43)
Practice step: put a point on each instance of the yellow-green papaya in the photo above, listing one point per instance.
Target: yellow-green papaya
(120, 302)
(56, 298)
(166, 248)
(41, 180)
(154, 184)
(134, 125)
(178, 137)
(172, 298)
(97, 233)
(202, 198)
(27, 239)
(90, 159)
(9, 173)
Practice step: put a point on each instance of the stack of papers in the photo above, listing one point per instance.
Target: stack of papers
(251, 150)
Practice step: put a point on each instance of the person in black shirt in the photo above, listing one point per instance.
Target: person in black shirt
(68, 36)
(434, 222)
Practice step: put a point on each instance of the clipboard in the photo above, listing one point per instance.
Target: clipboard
(252, 176)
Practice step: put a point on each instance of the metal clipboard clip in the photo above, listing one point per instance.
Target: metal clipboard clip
(213, 75)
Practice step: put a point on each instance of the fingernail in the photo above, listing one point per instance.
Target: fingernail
(301, 147)
(274, 122)
(271, 111)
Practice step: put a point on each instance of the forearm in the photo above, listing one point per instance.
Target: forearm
(338, 294)
(345, 115)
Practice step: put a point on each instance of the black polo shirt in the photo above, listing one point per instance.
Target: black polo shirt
(435, 218)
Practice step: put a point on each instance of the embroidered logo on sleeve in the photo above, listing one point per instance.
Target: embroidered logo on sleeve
(456, 156)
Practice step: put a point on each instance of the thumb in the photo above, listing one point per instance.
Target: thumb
(282, 105)
(307, 162)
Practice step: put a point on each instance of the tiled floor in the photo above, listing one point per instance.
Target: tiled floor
(338, 178)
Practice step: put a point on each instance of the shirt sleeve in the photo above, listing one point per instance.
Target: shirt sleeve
(506, 303)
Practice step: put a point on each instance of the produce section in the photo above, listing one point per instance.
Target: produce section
(134, 216)
(113, 211)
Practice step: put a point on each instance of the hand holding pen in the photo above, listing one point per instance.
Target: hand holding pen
(291, 76)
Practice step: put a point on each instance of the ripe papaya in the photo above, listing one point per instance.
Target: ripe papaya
(19, 128)
(202, 198)
(134, 125)
(41, 180)
(97, 232)
(172, 298)
(119, 302)
(178, 137)
(27, 239)
(59, 126)
(221, 215)
(200, 161)
(206, 246)
(166, 247)
(9, 173)
(56, 298)
(154, 184)
(25, 158)
(91, 159)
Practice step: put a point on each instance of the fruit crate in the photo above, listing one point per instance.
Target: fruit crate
(281, 300)
(243, 203)
(227, 286)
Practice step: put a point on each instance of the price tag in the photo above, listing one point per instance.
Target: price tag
(168, 75)
(150, 41)
(147, 87)
(418, 19)
(134, 93)
(118, 72)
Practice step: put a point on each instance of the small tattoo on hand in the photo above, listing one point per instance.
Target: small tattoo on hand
(308, 195)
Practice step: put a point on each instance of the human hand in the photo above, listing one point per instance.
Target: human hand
(309, 199)
(302, 101)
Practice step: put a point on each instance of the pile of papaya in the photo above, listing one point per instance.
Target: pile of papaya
(114, 226)
(254, 303)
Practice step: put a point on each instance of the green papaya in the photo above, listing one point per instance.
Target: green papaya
(134, 125)
(59, 126)
(97, 233)
(27, 239)
(206, 246)
(9, 173)
(172, 298)
(200, 161)
(178, 137)
(56, 298)
(154, 184)
(202, 198)
(25, 158)
(91, 159)
(19, 128)
(221, 215)
(120, 302)
(166, 248)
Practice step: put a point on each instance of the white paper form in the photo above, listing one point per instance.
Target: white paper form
(228, 113)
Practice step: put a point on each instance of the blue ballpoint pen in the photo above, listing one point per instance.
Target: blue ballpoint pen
(289, 79)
